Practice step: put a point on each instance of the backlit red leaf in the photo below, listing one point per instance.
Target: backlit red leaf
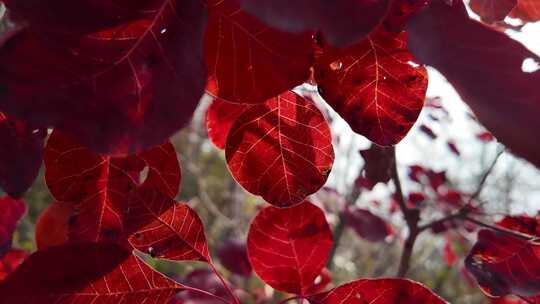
(342, 22)
(527, 10)
(10, 261)
(163, 228)
(492, 10)
(220, 116)
(381, 291)
(86, 273)
(289, 247)
(119, 89)
(465, 51)
(374, 86)
(522, 223)
(20, 156)
(233, 256)
(249, 62)
(11, 211)
(503, 264)
(99, 185)
(281, 150)
(367, 225)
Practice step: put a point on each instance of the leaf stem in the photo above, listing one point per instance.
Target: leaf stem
(206, 293)
(224, 283)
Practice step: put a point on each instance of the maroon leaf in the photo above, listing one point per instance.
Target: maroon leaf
(289, 247)
(99, 185)
(233, 256)
(374, 86)
(381, 291)
(164, 228)
(109, 274)
(20, 156)
(11, 211)
(492, 10)
(202, 279)
(281, 150)
(367, 225)
(453, 148)
(342, 22)
(464, 51)
(416, 198)
(378, 161)
(10, 261)
(119, 89)
(400, 12)
(220, 116)
(427, 130)
(503, 264)
(527, 10)
(249, 62)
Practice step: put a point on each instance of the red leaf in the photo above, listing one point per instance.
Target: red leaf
(464, 51)
(233, 256)
(381, 291)
(492, 10)
(527, 10)
(11, 211)
(10, 261)
(367, 225)
(321, 282)
(119, 89)
(52, 225)
(503, 264)
(416, 198)
(449, 254)
(164, 228)
(281, 150)
(522, 223)
(99, 185)
(374, 86)
(86, 273)
(378, 161)
(342, 22)
(485, 137)
(20, 156)
(400, 12)
(202, 279)
(289, 247)
(249, 62)
(220, 116)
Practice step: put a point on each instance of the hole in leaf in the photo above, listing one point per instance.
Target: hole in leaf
(163, 31)
(143, 175)
(530, 65)
(336, 65)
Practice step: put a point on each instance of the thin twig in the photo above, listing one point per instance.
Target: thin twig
(513, 233)
(224, 283)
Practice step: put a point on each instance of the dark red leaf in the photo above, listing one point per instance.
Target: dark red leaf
(503, 264)
(492, 10)
(119, 89)
(416, 198)
(381, 291)
(220, 116)
(374, 86)
(20, 156)
(10, 261)
(400, 12)
(52, 225)
(86, 273)
(485, 137)
(281, 150)
(11, 211)
(202, 279)
(163, 228)
(233, 256)
(364, 183)
(527, 10)
(99, 185)
(522, 223)
(289, 247)
(342, 22)
(367, 225)
(451, 197)
(427, 130)
(464, 51)
(249, 62)
(378, 161)
(427, 176)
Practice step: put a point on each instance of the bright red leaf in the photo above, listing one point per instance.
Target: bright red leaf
(11, 211)
(503, 264)
(86, 273)
(233, 256)
(464, 51)
(119, 89)
(52, 225)
(10, 261)
(378, 163)
(289, 247)
(220, 116)
(163, 228)
(374, 86)
(281, 150)
(249, 62)
(342, 22)
(381, 291)
(492, 10)
(367, 225)
(522, 223)
(20, 156)
(99, 185)
(527, 10)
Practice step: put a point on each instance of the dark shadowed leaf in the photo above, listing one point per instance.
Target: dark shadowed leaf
(374, 86)
(367, 225)
(20, 156)
(10, 261)
(281, 150)
(464, 51)
(11, 211)
(342, 22)
(378, 161)
(52, 225)
(232, 255)
(381, 291)
(400, 12)
(220, 116)
(492, 10)
(248, 62)
(289, 247)
(109, 274)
